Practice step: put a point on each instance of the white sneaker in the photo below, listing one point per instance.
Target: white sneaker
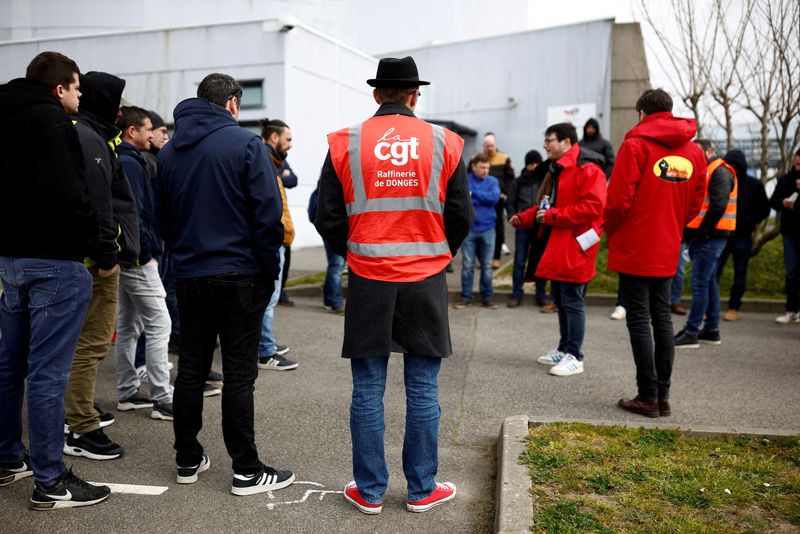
(619, 313)
(568, 366)
(551, 358)
(788, 317)
(504, 249)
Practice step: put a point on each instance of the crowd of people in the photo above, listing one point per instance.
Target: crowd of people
(110, 228)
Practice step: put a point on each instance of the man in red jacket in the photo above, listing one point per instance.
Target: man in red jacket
(656, 188)
(576, 187)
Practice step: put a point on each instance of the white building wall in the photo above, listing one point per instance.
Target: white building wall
(312, 82)
(505, 84)
(369, 25)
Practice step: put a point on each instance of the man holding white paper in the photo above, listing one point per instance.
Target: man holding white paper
(576, 190)
(656, 188)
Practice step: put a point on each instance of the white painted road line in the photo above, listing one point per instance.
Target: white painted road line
(133, 489)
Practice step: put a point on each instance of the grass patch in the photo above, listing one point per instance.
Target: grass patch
(765, 274)
(612, 479)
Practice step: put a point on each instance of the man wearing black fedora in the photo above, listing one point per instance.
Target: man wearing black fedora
(393, 199)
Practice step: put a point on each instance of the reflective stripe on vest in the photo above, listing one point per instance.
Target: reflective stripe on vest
(394, 171)
(728, 220)
(362, 204)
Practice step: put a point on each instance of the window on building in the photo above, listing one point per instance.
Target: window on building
(252, 94)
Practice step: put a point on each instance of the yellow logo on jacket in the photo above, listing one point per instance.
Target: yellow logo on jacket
(673, 169)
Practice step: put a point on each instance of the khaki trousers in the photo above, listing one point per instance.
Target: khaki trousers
(94, 344)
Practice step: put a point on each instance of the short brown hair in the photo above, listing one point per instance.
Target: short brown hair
(654, 101)
(394, 95)
(480, 157)
(52, 69)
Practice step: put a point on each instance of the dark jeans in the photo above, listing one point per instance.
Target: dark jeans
(332, 290)
(739, 247)
(499, 227)
(571, 316)
(647, 301)
(677, 281)
(522, 242)
(41, 313)
(287, 260)
(791, 257)
(705, 288)
(232, 307)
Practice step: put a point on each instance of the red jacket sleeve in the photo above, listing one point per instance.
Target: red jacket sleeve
(700, 177)
(528, 216)
(589, 209)
(622, 187)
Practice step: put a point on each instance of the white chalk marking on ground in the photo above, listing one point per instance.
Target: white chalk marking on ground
(306, 495)
(133, 489)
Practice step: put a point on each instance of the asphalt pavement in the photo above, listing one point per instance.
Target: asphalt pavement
(751, 380)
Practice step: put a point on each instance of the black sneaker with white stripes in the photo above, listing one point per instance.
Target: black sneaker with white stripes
(13, 471)
(276, 362)
(268, 479)
(281, 350)
(68, 491)
(188, 475)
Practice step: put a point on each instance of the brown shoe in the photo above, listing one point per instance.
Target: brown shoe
(489, 304)
(641, 407)
(495, 264)
(731, 315)
(549, 308)
(461, 304)
(677, 309)
(663, 408)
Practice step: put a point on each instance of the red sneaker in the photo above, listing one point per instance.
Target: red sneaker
(444, 492)
(351, 494)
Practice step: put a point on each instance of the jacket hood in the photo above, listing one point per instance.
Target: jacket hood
(19, 94)
(104, 129)
(592, 122)
(196, 119)
(665, 129)
(736, 159)
(101, 94)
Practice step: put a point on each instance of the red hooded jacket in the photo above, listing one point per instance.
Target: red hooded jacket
(656, 188)
(580, 196)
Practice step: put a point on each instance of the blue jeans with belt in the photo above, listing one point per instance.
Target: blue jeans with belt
(41, 314)
(421, 443)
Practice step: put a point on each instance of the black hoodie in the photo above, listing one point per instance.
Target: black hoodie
(44, 205)
(109, 189)
(598, 144)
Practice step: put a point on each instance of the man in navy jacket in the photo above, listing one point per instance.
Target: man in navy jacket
(219, 211)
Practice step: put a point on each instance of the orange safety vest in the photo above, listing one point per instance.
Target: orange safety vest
(394, 171)
(728, 219)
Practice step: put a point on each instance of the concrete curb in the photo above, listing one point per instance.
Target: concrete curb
(514, 503)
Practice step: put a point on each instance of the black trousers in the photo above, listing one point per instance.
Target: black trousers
(499, 227)
(232, 307)
(647, 302)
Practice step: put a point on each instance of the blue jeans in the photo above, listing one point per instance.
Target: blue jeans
(571, 316)
(41, 315)
(332, 290)
(421, 442)
(705, 287)
(791, 258)
(739, 247)
(677, 281)
(482, 244)
(266, 342)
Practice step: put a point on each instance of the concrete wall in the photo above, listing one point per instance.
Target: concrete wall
(629, 78)
(505, 84)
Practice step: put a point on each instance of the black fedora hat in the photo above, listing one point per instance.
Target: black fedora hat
(394, 72)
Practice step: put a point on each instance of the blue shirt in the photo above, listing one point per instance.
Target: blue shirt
(484, 194)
